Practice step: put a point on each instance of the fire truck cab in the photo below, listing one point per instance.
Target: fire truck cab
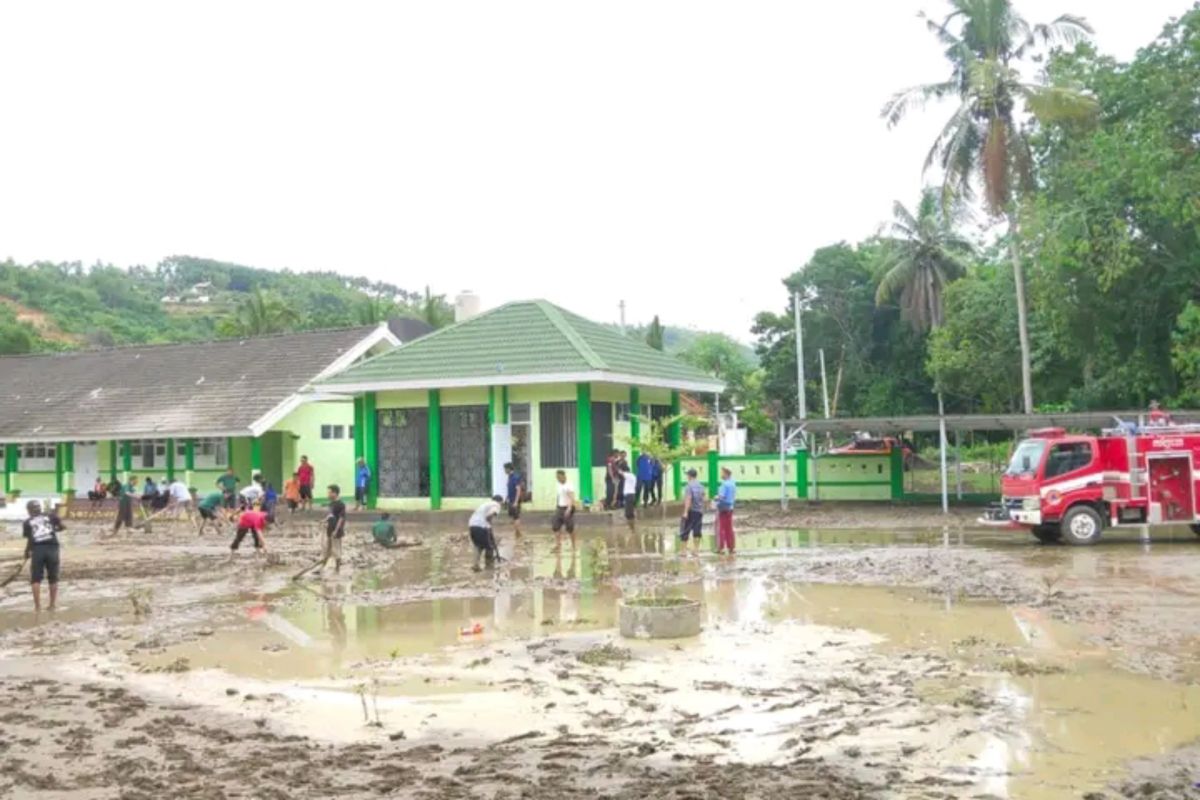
(1069, 487)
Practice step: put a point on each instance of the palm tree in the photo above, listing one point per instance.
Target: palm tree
(923, 254)
(654, 334)
(375, 309)
(435, 310)
(984, 40)
(262, 313)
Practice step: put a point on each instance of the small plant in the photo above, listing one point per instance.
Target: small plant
(370, 689)
(140, 600)
(604, 655)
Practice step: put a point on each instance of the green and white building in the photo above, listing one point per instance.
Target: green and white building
(528, 382)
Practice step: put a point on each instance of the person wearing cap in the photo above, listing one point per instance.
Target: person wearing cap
(692, 521)
(726, 497)
(479, 527)
(41, 548)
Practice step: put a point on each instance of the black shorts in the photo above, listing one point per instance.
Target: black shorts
(691, 525)
(293, 504)
(305, 492)
(481, 538)
(630, 506)
(563, 519)
(43, 563)
(514, 510)
(360, 494)
(207, 513)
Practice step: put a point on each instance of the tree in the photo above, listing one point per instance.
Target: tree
(654, 334)
(719, 356)
(434, 310)
(923, 255)
(984, 41)
(15, 339)
(1185, 354)
(374, 309)
(259, 314)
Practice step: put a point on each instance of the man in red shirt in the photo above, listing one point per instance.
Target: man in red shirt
(253, 521)
(308, 477)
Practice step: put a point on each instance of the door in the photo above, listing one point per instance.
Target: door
(1171, 487)
(465, 452)
(87, 466)
(403, 450)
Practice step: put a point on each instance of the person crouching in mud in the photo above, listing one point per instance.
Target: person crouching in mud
(480, 526)
(252, 521)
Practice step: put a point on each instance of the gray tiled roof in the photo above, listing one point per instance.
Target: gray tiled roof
(200, 389)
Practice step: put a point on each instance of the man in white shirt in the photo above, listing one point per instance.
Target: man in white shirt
(480, 527)
(564, 512)
(181, 499)
(629, 488)
(252, 493)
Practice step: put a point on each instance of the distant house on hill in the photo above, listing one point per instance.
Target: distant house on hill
(181, 409)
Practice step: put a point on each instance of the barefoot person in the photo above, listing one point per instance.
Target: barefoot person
(307, 476)
(125, 498)
(181, 499)
(209, 508)
(362, 484)
(515, 490)
(335, 528)
(564, 511)
(629, 493)
(482, 536)
(291, 492)
(252, 521)
(692, 521)
(228, 484)
(726, 496)
(41, 548)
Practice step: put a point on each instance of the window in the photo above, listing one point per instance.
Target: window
(557, 435)
(623, 411)
(1066, 458)
(210, 454)
(335, 431)
(518, 413)
(36, 457)
(602, 439)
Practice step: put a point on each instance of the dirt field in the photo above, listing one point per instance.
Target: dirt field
(933, 661)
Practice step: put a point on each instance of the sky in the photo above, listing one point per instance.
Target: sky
(682, 156)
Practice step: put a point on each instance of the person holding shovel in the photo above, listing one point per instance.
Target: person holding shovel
(41, 548)
(209, 508)
(482, 536)
(125, 505)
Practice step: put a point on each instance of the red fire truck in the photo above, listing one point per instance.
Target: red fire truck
(1070, 487)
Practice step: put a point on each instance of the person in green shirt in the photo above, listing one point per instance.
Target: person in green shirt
(209, 507)
(384, 531)
(228, 484)
(125, 505)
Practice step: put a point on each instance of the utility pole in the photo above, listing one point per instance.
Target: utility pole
(799, 356)
(824, 383)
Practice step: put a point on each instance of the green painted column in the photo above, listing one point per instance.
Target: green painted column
(583, 430)
(897, 463)
(112, 459)
(170, 459)
(504, 404)
(359, 451)
(126, 458)
(801, 474)
(229, 451)
(58, 468)
(635, 422)
(11, 464)
(714, 472)
(189, 460)
(676, 434)
(435, 449)
(255, 455)
(491, 409)
(371, 447)
(69, 466)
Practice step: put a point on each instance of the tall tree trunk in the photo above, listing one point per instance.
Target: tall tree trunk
(1014, 247)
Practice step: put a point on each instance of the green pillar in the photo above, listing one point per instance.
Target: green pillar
(492, 417)
(504, 405)
(801, 474)
(126, 458)
(676, 434)
(435, 449)
(58, 468)
(11, 456)
(635, 422)
(189, 460)
(714, 473)
(170, 459)
(583, 429)
(358, 430)
(255, 455)
(69, 465)
(229, 451)
(897, 463)
(371, 447)
(112, 459)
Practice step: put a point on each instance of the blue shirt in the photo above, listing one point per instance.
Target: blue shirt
(655, 469)
(514, 483)
(362, 477)
(726, 495)
(645, 467)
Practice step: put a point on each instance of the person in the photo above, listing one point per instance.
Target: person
(362, 482)
(307, 477)
(726, 495)
(620, 467)
(656, 482)
(1158, 417)
(383, 531)
(41, 548)
(163, 498)
(291, 492)
(629, 487)
(335, 528)
(209, 508)
(127, 492)
(515, 491)
(228, 484)
(149, 493)
(253, 493)
(270, 500)
(482, 536)
(253, 521)
(645, 478)
(98, 493)
(181, 499)
(692, 521)
(564, 510)
(610, 480)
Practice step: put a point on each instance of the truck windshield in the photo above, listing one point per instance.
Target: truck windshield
(1027, 457)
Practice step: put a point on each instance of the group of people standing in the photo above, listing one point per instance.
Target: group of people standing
(644, 485)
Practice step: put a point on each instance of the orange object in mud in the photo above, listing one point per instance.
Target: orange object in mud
(474, 630)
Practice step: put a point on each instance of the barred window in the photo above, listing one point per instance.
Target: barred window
(557, 435)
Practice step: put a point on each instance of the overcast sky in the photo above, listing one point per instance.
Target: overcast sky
(683, 156)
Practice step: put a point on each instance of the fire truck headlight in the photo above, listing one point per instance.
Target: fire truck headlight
(1031, 504)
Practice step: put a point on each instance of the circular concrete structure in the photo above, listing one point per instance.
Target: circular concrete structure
(675, 618)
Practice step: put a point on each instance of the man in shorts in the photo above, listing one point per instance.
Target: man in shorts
(209, 508)
(482, 536)
(692, 521)
(515, 490)
(41, 548)
(253, 521)
(125, 498)
(335, 528)
(629, 493)
(291, 492)
(307, 477)
(228, 484)
(564, 511)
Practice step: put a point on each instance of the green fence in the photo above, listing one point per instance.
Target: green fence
(850, 476)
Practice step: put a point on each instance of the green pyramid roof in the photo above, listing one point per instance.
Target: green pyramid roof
(530, 341)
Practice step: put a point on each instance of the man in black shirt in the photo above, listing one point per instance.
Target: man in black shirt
(41, 547)
(335, 528)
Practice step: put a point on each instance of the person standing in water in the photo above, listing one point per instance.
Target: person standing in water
(564, 511)
(692, 522)
(482, 535)
(125, 505)
(726, 495)
(515, 489)
(41, 548)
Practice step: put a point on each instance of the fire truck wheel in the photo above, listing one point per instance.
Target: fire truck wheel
(1048, 534)
(1082, 525)
(1196, 529)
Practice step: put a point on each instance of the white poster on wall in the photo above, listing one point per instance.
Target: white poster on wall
(501, 455)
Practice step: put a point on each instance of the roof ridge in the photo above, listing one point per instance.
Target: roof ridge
(555, 315)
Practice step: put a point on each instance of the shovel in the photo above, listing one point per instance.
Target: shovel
(20, 568)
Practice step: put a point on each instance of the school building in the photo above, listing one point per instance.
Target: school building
(194, 410)
(527, 382)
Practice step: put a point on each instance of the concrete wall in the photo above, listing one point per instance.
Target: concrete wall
(834, 477)
(333, 459)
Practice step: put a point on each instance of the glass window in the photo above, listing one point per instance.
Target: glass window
(1066, 458)
(1026, 458)
(557, 435)
(622, 411)
(36, 457)
(518, 412)
(326, 431)
(210, 453)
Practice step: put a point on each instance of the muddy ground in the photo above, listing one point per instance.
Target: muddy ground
(930, 661)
